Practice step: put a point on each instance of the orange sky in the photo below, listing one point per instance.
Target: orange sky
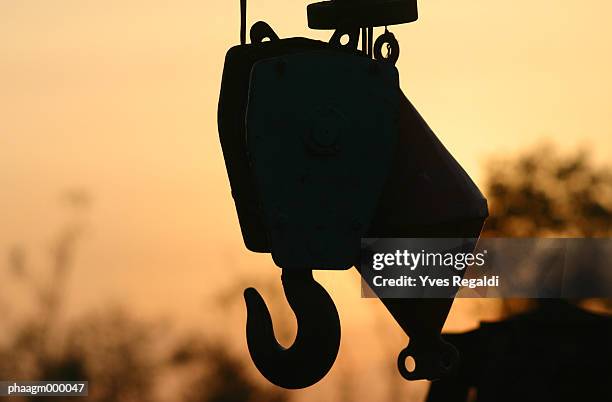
(119, 97)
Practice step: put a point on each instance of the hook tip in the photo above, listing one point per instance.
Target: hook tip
(255, 304)
(250, 294)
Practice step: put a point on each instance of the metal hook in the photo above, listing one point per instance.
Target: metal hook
(318, 334)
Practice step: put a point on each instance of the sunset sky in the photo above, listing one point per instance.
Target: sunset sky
(118, 97)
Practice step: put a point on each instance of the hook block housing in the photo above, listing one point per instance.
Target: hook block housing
(322, 149)
(321, 128)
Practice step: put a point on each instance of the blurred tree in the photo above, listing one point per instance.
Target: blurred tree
(31, 351)
(111, 350)
(539, 193)
(119, 355)
(542, 192)
(122, 357)
(219, 376)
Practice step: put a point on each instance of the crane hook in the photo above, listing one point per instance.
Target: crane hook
(318, 333)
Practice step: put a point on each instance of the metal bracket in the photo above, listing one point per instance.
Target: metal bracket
(361, 13)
